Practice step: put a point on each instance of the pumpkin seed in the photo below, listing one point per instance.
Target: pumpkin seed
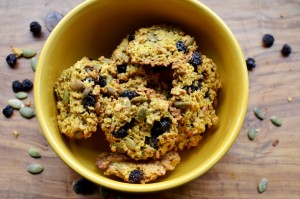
(34, 62)
(27, 112)
(109, 79)
(139, 99)
(111, 91)
(34, 152)
(189, 42)
(276, 121)
(182, 105)
(15, 103)
(66, 96)
(77, 85)
(35, 168)
(262, 185)
(141, 114)
(21, 95)
(86, 92)
(129, 143)
(258, 113)
(28, 52)
(97, 107)
(151, 37)
(252, 133)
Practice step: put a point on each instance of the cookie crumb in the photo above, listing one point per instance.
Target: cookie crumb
(15, 133)
(289, 99)
(275, 142)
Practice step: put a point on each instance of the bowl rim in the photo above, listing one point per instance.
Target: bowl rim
(156, 186)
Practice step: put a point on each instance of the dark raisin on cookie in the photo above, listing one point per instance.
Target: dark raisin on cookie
(196, 85)
(151, 141)
(101, 81)
(123, 131)
(136, 176)
(181, 46)
(129, 94)
(268, 40)
(196, 60)
(89, 100)
(160, 127)
(286, 50)
(131, 37)
(122, 68)
(250, 62)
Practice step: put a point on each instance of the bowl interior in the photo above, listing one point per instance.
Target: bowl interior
(95, 28)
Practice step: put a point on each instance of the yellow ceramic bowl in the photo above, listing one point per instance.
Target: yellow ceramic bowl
(95, 28)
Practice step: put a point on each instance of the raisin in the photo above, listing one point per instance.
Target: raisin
(17, 86)
(7, 111)
(286, 50)
(131, 37)
(136, 176)
(250, 63)
(151, 141)
(27, 85)
(129, 94)
(160, 127)
(181, 46)
(268, 40)
(196, 60)
(193, 87)
(129, 124)
(122, 68)
(35, 28)
(89, 100)
(101, 81)
(11, 60)
(84, 186)
(121, 133)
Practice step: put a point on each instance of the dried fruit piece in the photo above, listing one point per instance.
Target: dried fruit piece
(160, 127)
(17, 86)
(258, 113)
(262, 185)
(250, 62)
(151, 141)
(84, 186)
(11, 60)
(34, 152)
(35, 168)
(7, 111)
(181, 46)
(136, 176)
(35, 28)
(89, 100)
(286, 50)
(196, 59)
(252, 133)
(27, 85)
(122, 68)
(131, 37)
(268, 40)
(129, 94)
(101, 81)
(276, 121)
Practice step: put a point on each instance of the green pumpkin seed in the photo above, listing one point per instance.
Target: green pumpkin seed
(97, 107)
(15, 103)
(252, 133)
(141, 114)
(34, 152)
(262, 185)
(276, 121)
(109, 79)
(129, 143)
(28, 52)
(21, 95)
(27, 112)
(66, 96)
(111, 91)
(139, 99)
(86, 92)
(151, 37)
(35, 168)
(258, 113)
(189, 42)
(34, 62)
(77, 85)
(182, 105)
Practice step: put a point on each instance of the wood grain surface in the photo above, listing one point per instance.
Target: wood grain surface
(274, 79)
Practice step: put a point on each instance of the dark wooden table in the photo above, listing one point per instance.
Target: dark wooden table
(272, 82)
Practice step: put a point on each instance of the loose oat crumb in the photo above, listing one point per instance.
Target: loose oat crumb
(17, 51)
(289, 99)
(275, 142)
(16, 134)
(27, 103)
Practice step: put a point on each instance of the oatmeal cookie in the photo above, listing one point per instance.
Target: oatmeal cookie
(136, 172)
(79, 96)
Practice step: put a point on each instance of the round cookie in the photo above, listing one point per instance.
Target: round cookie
(136, 172)
(78, 95)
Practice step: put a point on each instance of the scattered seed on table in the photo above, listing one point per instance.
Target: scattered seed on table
(35, 168)
(250, 62)
(262, 185)
(11, 60)
(34, 61)
(8, 111)
(15, 103)
(34, 152)
(286, 50)
(35, 28)
(258, 113)
(27, 112)
(252, 133)
(275, 142)
(84, 186)
(268, 40)
(15, 133)
(28, 53)
(21, 95)
(276, 121)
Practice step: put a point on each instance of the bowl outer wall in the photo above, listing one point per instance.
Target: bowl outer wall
(232, 105)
